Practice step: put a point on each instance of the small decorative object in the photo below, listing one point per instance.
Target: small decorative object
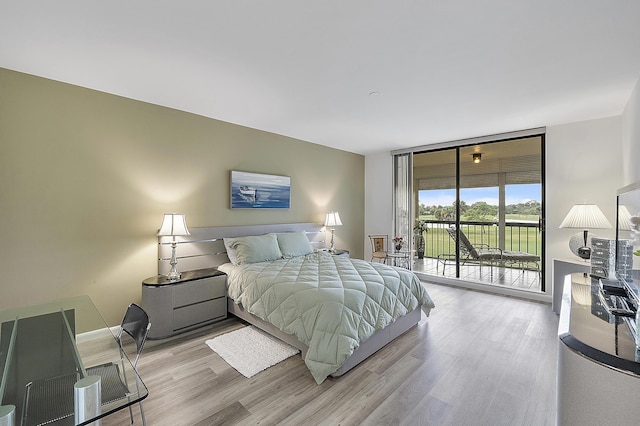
(331, 221)
(398, 243)
(173, 225)
(419, 229)
(260, 191)
(584, 216)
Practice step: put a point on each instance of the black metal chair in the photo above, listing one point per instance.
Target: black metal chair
(136, 324)
(507, 258)
(480, 253)
(484, 254)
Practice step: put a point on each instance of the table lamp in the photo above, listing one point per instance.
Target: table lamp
(173, 225)
(332, 220)
(584, 216)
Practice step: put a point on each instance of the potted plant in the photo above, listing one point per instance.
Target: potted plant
(419, 229)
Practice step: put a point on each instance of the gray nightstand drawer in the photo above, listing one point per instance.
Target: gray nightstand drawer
(197, 291)
(193, 314)
(197, 298)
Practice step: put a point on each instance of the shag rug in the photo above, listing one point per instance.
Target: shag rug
(250, 350)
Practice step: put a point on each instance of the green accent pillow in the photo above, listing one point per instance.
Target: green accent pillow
(294, 244)
(255, 248)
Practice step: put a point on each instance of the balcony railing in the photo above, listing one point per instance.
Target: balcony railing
(519, 236)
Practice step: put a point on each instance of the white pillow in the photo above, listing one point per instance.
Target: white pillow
(231, 252)
(253, 249)
(294, 244)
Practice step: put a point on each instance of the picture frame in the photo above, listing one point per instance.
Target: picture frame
(259, 191)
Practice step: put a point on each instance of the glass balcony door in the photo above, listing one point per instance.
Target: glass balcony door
(480, 197)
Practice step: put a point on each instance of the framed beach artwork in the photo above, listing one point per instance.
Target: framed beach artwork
(260, 191)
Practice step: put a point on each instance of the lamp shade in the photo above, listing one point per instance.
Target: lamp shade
(585, 216)
(173, 225)
(333, 219)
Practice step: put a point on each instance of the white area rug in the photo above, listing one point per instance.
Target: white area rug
(250, 350)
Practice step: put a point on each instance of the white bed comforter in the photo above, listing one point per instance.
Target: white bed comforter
(330, 303)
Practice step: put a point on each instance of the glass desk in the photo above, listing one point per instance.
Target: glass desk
(52, 360)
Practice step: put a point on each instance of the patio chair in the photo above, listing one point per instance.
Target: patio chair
(485, 254)
(521, 259)
(480, 253)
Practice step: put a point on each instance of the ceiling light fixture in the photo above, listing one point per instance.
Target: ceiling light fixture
(477, 157)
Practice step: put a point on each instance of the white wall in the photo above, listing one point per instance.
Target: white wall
(378, 206)
(583, 165)
(631, 137)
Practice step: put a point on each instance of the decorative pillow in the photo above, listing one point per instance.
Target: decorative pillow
(294, 244)
(231, 252)
(253, 249)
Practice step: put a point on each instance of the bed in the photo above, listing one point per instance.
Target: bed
(336, 310)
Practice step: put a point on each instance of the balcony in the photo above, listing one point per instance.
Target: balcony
(519, 236)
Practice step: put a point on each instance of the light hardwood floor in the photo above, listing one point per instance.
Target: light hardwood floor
(479, 359)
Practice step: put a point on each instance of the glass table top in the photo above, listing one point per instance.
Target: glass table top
(53, 358)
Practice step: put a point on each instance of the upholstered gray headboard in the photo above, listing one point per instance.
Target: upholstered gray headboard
(204, 248)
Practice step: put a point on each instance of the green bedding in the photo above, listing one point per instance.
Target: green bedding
(329, 303)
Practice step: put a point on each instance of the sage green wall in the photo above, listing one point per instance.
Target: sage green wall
(86, 176)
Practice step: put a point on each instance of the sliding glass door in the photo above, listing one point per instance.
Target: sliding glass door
(477, 210)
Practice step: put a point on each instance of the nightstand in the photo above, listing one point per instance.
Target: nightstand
(341, 253)
(196, 299)
(560, 269)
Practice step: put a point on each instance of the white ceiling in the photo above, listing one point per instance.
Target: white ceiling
(444, 69)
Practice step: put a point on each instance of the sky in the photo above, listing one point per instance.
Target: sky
(514, 194)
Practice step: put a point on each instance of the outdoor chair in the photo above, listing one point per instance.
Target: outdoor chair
(136, 324)
(521, 259)
(485, 254)
(480, 253)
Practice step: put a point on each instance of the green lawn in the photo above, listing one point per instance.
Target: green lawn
(527, 239)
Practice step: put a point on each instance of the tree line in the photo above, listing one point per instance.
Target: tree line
(480, 210)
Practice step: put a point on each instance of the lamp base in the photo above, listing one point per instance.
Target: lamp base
(578, 246)
(584, 252)
(173, 276)
(332, 248)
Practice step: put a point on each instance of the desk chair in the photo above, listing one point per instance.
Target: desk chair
(379, 248)
(136, 324)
